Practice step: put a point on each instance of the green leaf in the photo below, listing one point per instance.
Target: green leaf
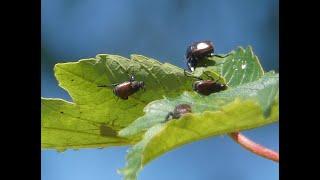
(239, 108)
(97, 118)
(228, 67)
(239, 67)
(64, 126)
(99, 106)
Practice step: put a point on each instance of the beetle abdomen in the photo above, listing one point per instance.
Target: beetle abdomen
(123, 90)
(205, 87)
(180, 110)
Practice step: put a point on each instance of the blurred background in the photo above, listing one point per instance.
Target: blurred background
(76, 29)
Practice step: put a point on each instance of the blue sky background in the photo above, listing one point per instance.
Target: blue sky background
(162, 29)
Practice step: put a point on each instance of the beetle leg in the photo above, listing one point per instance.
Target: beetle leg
(191, 63)
(216, 55)
(115, 93)
(185, 73)
(190, 67)
(168, 116)
(112, 122)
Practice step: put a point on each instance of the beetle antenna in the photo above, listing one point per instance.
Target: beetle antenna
(132, 76)
(109, 85)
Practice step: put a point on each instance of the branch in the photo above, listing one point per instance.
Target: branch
(254, 147)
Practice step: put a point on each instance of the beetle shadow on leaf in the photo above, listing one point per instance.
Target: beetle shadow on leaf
(107, 131)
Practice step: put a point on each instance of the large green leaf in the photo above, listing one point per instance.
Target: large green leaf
(240, 108)
(99, 114)
(97, 118)
(94, 107)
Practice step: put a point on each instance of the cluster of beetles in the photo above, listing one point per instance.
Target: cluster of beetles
(194, 54)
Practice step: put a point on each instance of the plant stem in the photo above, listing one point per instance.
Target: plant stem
(254, 147)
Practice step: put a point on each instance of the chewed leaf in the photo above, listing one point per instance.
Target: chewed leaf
(244, 107)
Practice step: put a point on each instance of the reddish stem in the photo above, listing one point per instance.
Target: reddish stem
(254, 147)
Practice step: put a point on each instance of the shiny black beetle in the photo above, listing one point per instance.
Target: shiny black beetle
(125, 89)
(178, 111)
(197, 51)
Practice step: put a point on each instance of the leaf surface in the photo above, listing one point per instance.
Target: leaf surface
(244, 107)
(95, 107)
